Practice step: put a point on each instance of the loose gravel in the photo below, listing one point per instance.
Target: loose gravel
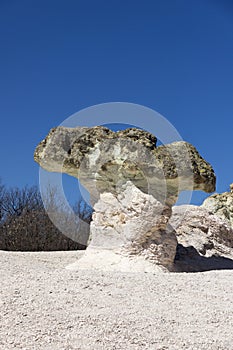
(45, 306)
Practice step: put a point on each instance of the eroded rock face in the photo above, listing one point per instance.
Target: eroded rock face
(133, 223)
(103, 160)
(201, 236)
(221, 204)
(182, 160)
(132, 184)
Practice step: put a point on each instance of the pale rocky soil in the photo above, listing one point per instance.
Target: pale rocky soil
(46, 306)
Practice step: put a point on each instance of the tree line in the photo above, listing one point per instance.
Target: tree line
(26, 225)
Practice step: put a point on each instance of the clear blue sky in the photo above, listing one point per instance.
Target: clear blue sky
(57, 57)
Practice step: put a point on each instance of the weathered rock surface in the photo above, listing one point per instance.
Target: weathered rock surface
(204, 239)
(221, 204)
(181, 160)
(133, 185)
(133, 223)
(103, 160)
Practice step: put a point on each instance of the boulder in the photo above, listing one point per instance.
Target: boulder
(203, 238)
(221, 204)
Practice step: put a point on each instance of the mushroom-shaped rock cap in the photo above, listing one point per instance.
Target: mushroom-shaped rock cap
(104, 160)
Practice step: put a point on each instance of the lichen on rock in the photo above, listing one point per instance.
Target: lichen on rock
(103, 160)
(132, 184)
(221, 204)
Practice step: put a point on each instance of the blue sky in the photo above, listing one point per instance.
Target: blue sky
(57, 57)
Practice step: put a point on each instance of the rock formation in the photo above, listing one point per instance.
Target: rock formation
(133, 223)
(103, 160)
(221, 204)
(132, 184)
(202, 238)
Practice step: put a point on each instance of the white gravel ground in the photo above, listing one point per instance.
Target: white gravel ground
(45, 306)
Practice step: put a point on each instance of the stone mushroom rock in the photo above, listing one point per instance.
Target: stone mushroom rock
(221, 204)
(132, 184)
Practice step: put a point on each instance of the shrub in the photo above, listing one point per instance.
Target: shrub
(26, 226)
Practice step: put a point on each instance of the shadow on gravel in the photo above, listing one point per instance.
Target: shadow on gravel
(189, 260)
